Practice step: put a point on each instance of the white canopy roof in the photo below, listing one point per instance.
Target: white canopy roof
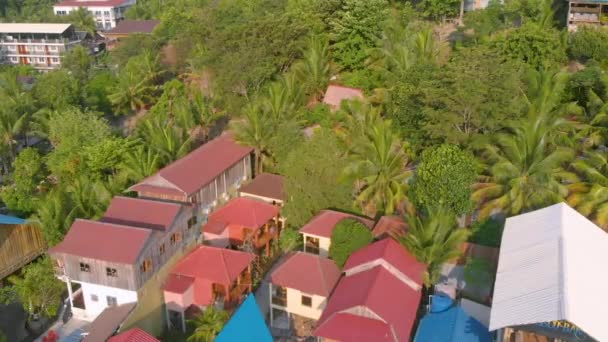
(33, 28)
(552, 266)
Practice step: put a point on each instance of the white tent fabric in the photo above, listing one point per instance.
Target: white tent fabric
(552, 266)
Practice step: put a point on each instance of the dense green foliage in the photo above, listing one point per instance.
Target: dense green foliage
(348, 236)
(444, 179)
(588, 43)
(37, 288)
(208, 324)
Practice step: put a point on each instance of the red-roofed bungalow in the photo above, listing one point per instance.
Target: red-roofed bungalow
(317, 232)
(244, 221)
(205, 176)
(207, 276)
(299, 288)
(377, 299)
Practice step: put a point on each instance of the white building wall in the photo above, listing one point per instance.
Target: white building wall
(294, 304)
(324, 244)
(94, 308)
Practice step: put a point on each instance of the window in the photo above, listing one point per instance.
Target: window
(55, 60)
(111, 301)
(306, 301)
(85, 267)
(39, 48)
(97, 13)
(191, 222)
(14, 59)
(162, 249)
(106, 13)
(175, 237)
(40, 60)
(53, 48)
(146, 265)
(12, 47)
(107, 25)
(111, 272)
(61, 12)
(311, 245)
(94, 298)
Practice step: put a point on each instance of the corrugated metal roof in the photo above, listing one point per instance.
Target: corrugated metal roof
(33, 28)
(548, 270)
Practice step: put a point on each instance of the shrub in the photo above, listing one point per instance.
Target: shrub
(487, 233)
(348, 236)
(588, 43)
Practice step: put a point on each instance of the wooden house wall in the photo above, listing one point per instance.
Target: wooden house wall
(222, 183)
(125, 278)
(19, 244)
(156, 195)
(152, 249)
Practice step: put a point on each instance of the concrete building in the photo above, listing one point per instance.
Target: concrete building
(107, 13)
(38, 45)
(299, 288)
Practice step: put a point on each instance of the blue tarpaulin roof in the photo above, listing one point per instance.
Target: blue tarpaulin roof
(451, 325)
(246, 325)
(5, 219)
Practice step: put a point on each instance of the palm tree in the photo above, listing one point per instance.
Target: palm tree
(131, 93)
(314, 69)
(590, 197)
(139, 163)
(378, 165)
(524, 167)
(204, 114)
(208, 324)
(169, 141)
(89, 197)
(523, 172)
(54, 216)
(283, 98)
(255, 130)
(434, 239)
(11, 126)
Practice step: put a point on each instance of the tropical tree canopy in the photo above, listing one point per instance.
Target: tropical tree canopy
(348, 236)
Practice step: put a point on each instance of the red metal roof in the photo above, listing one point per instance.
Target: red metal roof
(201, 166)
(393, 253)
(177, 283)
(214, 227)
(133, 335)
(103, 241)
(217, 265)
(307, 273)
(380, 292)
(335, 94)
(142, 213)
(324, 223)
(101, 3)
(244, 212)
(347, 327)
(265, 185)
